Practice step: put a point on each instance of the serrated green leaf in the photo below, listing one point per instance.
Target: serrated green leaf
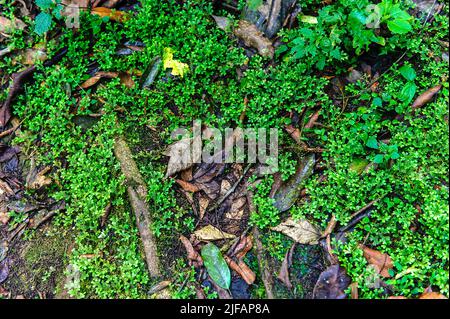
(44, 4)
(42, 22)
(372, 142)
(408, 91)
(216, 266)
(378, 159)
(395, 155)
(408, 72)
(399, 26)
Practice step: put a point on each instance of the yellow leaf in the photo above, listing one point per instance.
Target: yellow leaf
(178, 68)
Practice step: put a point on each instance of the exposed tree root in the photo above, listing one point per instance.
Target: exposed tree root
(137, 194)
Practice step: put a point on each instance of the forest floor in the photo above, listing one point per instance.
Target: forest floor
(95, 201)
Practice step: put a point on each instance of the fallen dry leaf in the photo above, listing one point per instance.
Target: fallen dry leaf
(241, 269)
(192, 254)
(210, 232)
(238, 204)
(283, 275)
(8, 26)
(114, 15)
(203, 203)
(332, 284)
(180, 156)
(99, 75)
(188, 187)
(186, 175)
(224, 187)
(126, 79)
(31, 56)
(381, 262)
(40, 180)
(254, 38)
(432, 295)
(4, 218)
(299, 230)
(243, 247)
(235, 215)
(425, 97)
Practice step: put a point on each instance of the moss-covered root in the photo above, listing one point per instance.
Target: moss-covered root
(137, 194)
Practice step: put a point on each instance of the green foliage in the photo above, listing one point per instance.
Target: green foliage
(266, 214)
(410, 171)
(345, 27)
(370, 154)
(216, 266)
(49, 9)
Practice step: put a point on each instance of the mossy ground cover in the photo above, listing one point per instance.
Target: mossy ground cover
(374, 147)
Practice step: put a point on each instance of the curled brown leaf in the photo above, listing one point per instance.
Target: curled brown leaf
(382, 262)
(99, 75)
(425, 97)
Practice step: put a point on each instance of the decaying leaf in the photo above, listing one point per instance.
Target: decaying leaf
(432, 295)
(188, 187)
(216, 265)
(242, 270)
(254, 38)
(381, 262)
(40, 180)
(192, 255)
(203, 203)
(8, 26)
(178, 68)
(299, 230)
(181, 157)
(210, 232)
(425, 97)
(99, 75)
(126, 79)
(222, 22)
(31, 56)
(224, 187)
(237, 215)
(114, 15)
(243, 247)
(283, 275)
(332, 284)
(4, 218)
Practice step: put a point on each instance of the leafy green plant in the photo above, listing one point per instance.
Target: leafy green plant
(345, 27)
(49, 9)
(215, 264)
